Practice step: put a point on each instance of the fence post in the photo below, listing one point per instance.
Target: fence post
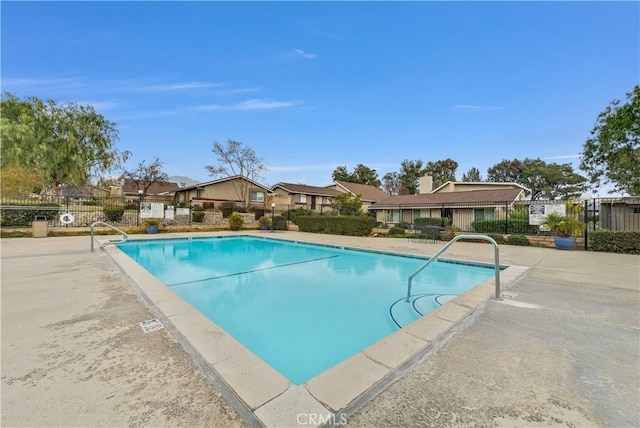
(586, 223)
(506, 221)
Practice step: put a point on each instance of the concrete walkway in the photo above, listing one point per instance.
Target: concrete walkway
(562, 351)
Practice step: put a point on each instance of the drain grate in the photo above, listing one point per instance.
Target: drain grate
(509, 294)
(151, 325)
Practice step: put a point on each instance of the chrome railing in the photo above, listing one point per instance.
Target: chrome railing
(496, 256)
(124, 235)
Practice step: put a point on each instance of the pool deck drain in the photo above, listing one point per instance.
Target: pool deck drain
(259, 386)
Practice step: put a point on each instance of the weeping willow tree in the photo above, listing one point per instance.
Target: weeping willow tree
(67, 143)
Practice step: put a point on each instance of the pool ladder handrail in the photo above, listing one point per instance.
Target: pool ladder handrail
(124, 235)
(496, 256)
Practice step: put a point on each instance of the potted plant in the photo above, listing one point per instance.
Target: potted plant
(265, 223)
(152, 225)
(564, 228)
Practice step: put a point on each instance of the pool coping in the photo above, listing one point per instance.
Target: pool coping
(264, 397)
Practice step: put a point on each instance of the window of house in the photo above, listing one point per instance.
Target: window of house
(301, 199)
(392, 216)
(257, 196)
(483, 214)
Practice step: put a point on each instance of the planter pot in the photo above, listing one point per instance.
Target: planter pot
(564, 243)
(152, 229)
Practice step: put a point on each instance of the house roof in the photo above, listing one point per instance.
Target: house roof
(366, 191)
(450, 198)
(130, 187)
(481, 183)
(307, 190)
(222, 180)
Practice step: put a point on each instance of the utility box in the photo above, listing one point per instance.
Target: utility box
(40, 227)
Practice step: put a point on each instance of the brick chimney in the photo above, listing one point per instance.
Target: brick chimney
(425, 184)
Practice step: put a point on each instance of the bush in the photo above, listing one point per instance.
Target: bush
(113, 214)
(403, 225)
(518, 227)
(90, 202)
(432, 221)
(197, 208)
(236, 221)
(615, 241)
(518, 240)
(451, 232)
(396, 231)
(24, 216)
(296, 213)
(340, 225)
(498, 237)
(131, 206)
(197, 216)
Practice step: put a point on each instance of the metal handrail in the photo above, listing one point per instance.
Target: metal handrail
(124, 235)
(496, 256)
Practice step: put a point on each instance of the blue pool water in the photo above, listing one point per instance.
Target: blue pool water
(301, 308)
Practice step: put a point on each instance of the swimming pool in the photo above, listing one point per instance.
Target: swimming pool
(301, 308)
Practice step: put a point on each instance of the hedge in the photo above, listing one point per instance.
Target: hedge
(615, 241)
(340, 225)
(24, 216)
(114, 214)
(432, 221)
(516, 227)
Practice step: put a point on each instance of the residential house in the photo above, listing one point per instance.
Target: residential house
(237, 189)
(621, 214)
(129, 189)
(462, 203)
(303, 196)
(369, 194)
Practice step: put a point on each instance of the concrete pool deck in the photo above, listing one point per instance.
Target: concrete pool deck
(562, 350)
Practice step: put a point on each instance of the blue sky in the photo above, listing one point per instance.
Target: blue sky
(313, 85)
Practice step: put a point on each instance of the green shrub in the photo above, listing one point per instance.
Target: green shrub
(197, 207)
(337, 225)
(296, 213)
(518, 227)
(90, 202)
(131, 206)
(615, 241)
(518, 240)
(113, 214)
(450, 233)
(19, 216)
(432, 221)
(197, 216)
(403, 225)
(236, 221)
(498, 237)
(396, 231)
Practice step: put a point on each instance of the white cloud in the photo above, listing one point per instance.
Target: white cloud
(302, 54)
(177, 86)
(476, 107)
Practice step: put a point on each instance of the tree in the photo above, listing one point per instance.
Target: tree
(68, 143)
(546, 181)
(391, 183)
(410, 173)
(235, 160)
(146, 175)
(361, 174)
(612, 153)
(346, 204)
(20, 179)
(472, 176)
(442, 171)
(506, 171)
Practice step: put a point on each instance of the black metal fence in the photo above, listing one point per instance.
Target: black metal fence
(20, 210)
(523, 217)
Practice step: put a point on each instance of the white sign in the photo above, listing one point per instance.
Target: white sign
(169, 212)
(145, 210)
(537, 213)
(182, 211)
(157, 209)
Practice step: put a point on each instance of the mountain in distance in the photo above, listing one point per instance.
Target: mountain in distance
(182, 181)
